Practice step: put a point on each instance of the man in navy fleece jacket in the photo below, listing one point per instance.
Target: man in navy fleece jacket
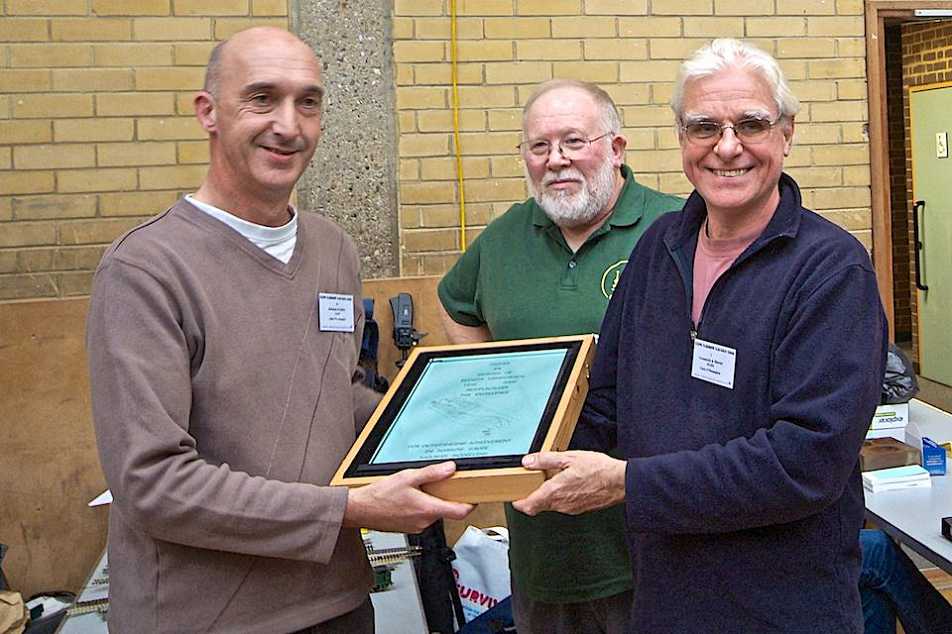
(736, 376)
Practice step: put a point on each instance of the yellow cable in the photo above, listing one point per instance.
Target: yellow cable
(456, 144)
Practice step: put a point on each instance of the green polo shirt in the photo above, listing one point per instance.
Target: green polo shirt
(521, 280)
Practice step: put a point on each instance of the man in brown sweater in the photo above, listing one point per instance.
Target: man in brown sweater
(223, 337)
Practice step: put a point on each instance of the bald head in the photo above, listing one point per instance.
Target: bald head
(223, 55)
(262, 108)
(607, 110)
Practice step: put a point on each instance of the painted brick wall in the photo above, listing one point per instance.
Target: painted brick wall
(633, 49)
(96, 130)
(96, 125)
(926, 59)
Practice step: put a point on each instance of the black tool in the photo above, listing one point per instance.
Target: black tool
(405, 336)
(442, 606)
(368, 350)
(947, 528)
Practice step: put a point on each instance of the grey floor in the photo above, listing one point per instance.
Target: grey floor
(935, 394)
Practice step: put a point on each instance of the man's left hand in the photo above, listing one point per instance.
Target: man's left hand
(584, 481)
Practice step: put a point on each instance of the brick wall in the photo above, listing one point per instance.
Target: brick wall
(96, 129)
(898, 208)
(633, 49)
(96, 125)
(926, 59)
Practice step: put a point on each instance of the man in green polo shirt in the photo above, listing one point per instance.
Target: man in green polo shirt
(547, 267)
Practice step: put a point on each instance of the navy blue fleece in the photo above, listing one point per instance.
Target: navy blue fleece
(743, 505)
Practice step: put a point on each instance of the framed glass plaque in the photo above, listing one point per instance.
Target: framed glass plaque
(483, 406)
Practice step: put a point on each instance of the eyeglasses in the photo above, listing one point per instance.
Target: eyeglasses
(570, 147)
(752, 130)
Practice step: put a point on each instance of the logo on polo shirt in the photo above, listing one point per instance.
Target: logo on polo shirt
(611, 276)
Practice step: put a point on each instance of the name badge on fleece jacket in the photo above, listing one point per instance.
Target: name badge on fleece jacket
(713, 363)
(336, 312)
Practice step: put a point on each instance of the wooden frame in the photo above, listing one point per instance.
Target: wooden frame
(878, 13)
(488, 478)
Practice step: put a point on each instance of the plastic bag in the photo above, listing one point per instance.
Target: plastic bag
(12, 612)
(899, 381)
(481, 569)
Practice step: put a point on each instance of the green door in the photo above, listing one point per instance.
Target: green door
(931, 123)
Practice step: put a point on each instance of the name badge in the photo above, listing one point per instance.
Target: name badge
(713, 363)
(336, 312)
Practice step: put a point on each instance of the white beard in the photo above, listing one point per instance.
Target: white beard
(572, 210)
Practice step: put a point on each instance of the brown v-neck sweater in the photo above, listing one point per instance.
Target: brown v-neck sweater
(221, 411)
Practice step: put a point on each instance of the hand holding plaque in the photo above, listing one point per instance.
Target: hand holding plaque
(580, 481)
(396, 504)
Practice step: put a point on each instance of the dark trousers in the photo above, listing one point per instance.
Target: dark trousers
(357, 621)
(891, 586)
(609, 615)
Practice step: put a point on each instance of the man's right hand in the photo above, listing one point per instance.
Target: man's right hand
(396, 503)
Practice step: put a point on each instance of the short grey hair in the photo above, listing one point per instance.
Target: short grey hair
(213, 69)
(725, 53)
(608, 113)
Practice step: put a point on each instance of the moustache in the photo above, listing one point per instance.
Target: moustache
(565, 174)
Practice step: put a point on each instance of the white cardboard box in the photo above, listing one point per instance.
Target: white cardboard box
(890, 416)
(895, 478)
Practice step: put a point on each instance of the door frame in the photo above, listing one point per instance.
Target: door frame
(878, 13)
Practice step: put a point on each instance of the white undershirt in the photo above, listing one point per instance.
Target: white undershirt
(277, 242)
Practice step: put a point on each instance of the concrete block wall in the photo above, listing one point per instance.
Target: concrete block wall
(96, 125)
(633, 49)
